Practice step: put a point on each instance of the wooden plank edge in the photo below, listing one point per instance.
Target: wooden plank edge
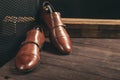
(81, 21)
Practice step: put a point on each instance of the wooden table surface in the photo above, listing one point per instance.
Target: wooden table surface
(91, 59)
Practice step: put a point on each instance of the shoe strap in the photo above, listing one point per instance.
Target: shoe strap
(58, 26)
(30, 42)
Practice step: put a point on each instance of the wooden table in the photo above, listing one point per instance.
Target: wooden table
(91, 59)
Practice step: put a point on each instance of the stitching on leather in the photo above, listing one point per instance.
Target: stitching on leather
(54, 32)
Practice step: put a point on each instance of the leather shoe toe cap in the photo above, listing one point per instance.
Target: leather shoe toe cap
(26, 63)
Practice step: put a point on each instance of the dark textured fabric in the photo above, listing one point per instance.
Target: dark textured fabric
(12, 33)
(18, 7)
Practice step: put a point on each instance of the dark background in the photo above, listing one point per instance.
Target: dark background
(88, 8)
(68, 8)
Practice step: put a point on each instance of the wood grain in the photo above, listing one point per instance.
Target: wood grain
(91, 59)
(91, 21)
(93, 31)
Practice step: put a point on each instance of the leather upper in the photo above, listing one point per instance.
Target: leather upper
(58, 34)
(29, 54)
(53, 20)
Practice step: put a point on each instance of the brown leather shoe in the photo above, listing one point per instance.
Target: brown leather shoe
(28, 56)
(58, 35)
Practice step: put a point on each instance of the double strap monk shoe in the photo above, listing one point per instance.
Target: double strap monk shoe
(28, 56)
(58, 34)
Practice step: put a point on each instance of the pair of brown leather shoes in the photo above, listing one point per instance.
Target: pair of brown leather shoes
(29, 54)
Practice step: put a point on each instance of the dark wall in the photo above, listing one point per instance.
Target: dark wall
(68, 8)
(88, 8)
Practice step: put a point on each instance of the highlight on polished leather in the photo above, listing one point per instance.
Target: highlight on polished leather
(58, 34)
(28, 56)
